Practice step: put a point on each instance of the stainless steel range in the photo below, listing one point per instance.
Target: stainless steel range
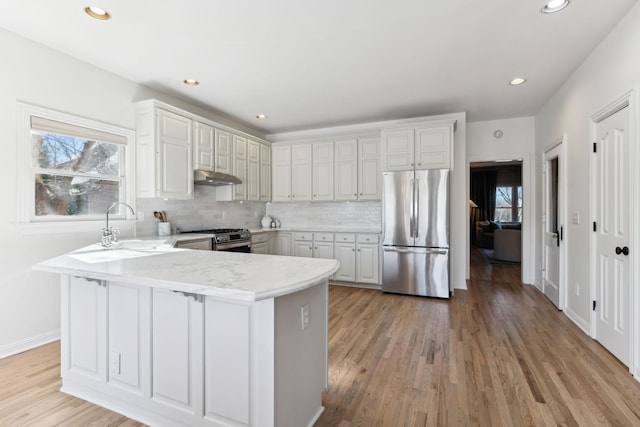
(227, 239)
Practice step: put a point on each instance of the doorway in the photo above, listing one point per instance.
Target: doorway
(554, 251)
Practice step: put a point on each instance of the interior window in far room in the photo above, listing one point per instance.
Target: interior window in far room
(508, 203)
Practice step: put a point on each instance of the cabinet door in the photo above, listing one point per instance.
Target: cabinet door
(283, 244)
(345, 253)
(303, 248)
(367, 264)
(301, 172)
(176, 351)
(175, 175)
(281, 183)
(253, 170)
(223, 151)
(260, 248)
(204, 147)
(322, 171)
(265, 173)
(346, 170)
(240, 166)
(397, 149)
(369, 173)
(433, 147)
(323, 250)
(84, 310)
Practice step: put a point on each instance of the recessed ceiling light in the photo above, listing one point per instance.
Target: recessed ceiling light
(517, 81)
(262, 116)
(555, 6)
(96, 12)
(191, 82)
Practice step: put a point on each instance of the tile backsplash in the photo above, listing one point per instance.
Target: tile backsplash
(202, 212)
(366, 216)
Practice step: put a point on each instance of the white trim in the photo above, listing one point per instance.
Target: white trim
(528, 211)
(628, 99)
(25, 194)
(29, 343)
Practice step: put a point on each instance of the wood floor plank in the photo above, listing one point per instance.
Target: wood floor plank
(497, 354)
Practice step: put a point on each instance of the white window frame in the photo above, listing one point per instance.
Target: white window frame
(26, 217)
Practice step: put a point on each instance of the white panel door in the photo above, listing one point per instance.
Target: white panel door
(323, 171)
(397, 150)
(303, 248)
(323, 250)
(553, 226)
(433, 147)
(283, 244)
(175, 175)
(612, 203)
(367, 264)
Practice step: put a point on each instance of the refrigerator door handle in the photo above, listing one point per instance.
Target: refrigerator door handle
(417, 209)
(413, 207)
(426, 251)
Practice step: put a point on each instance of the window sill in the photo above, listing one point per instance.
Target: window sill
(65, 227)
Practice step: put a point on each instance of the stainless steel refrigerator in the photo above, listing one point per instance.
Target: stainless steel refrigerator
(416, 233)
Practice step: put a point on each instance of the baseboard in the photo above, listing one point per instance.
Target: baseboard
(28, 344)
(579, 321)
(355, 285)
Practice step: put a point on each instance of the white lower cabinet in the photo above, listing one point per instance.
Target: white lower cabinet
(283, 244)
(165, 357)
(359, 257)
(262, 243)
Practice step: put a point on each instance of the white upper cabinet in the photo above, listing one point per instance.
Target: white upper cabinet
(301, 172)
(281, 182)
(426, 145)
(253, 171)
(239, 169)
(223, 151)
(204, 147)
(163, 152)
(369, 172)
(322, 171)
(346, 169)
(265, 173)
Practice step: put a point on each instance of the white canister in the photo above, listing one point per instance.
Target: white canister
(266, 221)
(164, 228)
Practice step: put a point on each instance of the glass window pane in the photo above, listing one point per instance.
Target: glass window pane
(504, 199)
(74, 196)
(61, 152)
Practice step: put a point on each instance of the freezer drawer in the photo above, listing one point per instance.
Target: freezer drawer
(416, 271)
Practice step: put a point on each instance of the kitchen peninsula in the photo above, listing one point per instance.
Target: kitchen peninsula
(178, 337)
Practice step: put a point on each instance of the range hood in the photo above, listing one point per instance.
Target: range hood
(216, 179)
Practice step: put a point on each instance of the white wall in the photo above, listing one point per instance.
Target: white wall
(610, 71)
(518, 141)
(32, 73)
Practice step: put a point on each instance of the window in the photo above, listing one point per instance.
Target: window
(74, 168)
(509, 204)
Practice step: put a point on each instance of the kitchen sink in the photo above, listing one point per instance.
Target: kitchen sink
(124, 249)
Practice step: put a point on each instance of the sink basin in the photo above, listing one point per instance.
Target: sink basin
(122, 250)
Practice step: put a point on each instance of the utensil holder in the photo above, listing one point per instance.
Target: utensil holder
(164, 228)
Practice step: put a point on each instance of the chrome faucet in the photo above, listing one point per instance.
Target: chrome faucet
(110, 234)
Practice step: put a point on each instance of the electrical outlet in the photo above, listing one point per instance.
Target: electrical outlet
(577, 290)
(305, 316)
(114, 363)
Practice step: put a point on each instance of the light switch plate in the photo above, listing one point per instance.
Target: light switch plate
(305, 316)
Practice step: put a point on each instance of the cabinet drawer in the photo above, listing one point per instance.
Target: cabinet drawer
(345, 237)
(323, 237)
(367, 238)
(259, 237)
(303, 236)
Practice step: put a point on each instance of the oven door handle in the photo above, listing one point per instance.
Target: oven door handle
(231, 245)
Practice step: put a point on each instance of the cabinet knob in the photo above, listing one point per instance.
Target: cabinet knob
(419, 164)
(353, 250)
(355, 194)
(412, 164)
(361, 194)
(358, 250)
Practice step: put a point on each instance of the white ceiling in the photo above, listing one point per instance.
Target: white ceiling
(332, 62)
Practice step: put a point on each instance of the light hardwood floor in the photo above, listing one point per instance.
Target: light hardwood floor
(498, 354)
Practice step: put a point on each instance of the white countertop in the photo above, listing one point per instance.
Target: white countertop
(315, 230)
(225, 275)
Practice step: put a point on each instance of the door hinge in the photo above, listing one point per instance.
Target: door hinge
(594, 305)
(594, 226)
(595, 145)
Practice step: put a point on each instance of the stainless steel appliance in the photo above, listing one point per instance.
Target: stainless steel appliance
(227, 239)
(416, 233)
